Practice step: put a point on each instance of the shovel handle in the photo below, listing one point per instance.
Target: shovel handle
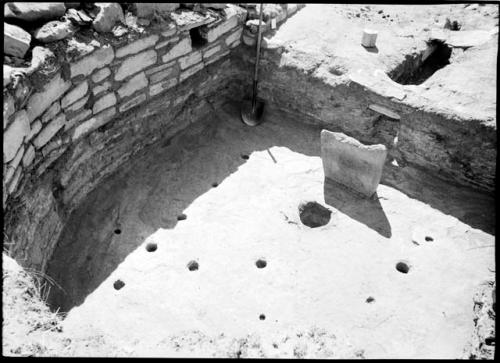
(256, 73)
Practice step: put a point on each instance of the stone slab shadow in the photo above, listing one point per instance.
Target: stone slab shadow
(368, 211)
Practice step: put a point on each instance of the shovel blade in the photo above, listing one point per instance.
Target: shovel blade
(252, 117)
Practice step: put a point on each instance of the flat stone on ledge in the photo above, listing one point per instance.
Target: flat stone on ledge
(352, 164)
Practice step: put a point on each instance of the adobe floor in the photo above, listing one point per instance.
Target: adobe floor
(318, 277)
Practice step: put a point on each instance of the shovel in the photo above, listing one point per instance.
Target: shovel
(251, 111)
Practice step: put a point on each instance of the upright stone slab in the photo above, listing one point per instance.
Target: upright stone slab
(350, 163)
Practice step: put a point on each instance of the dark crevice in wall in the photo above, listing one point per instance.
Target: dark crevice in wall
(197, 39)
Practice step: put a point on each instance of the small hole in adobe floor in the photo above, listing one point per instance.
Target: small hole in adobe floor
(215, 185)
(370, 299)
(193, 265)
(118, 231)
(181, 217)
(429, 239)
(313, 214)
(261, 263)
(151, 247)
(402, 267)
(245, 157)
(118, 284)
(262, 317)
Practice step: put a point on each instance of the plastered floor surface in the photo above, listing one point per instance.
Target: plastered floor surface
(317, 277)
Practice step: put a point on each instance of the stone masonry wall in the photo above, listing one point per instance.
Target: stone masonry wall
(97, 88)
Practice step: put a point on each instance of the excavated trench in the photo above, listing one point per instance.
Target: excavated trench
(197, 217)
(416, 70)
(220, 204)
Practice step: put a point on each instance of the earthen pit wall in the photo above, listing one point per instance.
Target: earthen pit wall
(61, 145)
(453, 148)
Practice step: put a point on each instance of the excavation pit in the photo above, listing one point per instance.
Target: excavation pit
(218, 232)
(416, 70)
(87, 211)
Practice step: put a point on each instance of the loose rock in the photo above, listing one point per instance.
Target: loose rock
(78, 17)
(55, 30)
(31, 12)
(108, 14)
(16, 41)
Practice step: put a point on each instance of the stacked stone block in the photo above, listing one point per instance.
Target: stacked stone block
(100, 86)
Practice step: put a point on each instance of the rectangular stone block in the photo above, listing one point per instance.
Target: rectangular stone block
(15, 180)
(135, 64)
(166, 42)
(40, 101)
(51, 146)
(189, 72)
(35, 129)
(134, 101)
(132, 85)
(213, 31)
(369, 38)
(94, 123)
(234, 37)
(160, 76)
(77, 105)
(189, 60)
(352, 164)
(14, 135)
(75, 94)
(384, 111)
(137, 46)
(97, 59)
(105, 86)
(49, 130)
(162, 67)
(104, 102)
(181, 48)
(29, 156)
(216, 57)
(159, 87)
(12, 166)
(210, 52)
(77, 118)
(101, 75)
(51, 112)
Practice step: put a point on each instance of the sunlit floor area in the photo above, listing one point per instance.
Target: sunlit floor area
(203, 233)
